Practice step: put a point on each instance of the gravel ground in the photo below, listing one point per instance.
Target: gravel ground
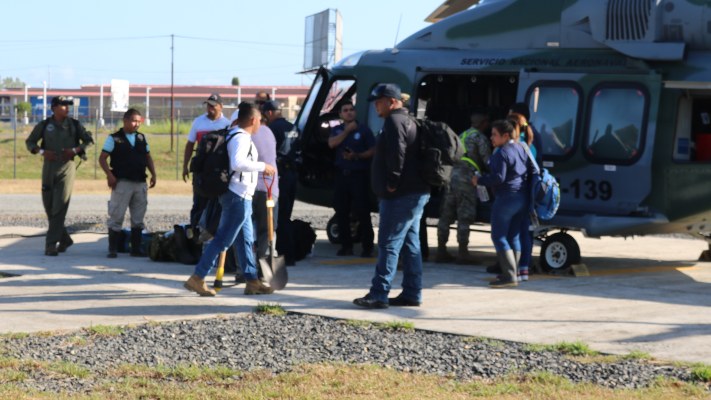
(257, 341)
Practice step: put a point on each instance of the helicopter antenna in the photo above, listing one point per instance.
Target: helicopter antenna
(398, 30)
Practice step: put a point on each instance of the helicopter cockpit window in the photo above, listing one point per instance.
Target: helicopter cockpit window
(616, 124)
(554, 114)
(340, 90)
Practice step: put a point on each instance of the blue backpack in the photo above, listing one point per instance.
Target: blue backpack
(545, 191)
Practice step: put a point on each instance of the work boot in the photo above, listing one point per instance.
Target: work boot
(198, 285)
(508, 277)
(65, 241)
(443, 255)
(113, 243)
(51, 250)
(464, 256)
(255, 286)
(136, 242)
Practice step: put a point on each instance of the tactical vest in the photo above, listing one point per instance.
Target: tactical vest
(129, 162)
(463, 137)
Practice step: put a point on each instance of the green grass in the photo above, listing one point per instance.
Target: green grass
(29, 166)
(327, 381)
(104, 330)
(69, 369)
(637, 355)
(269, 309)
(15, 335)
(577, 349)
(396, 325)
(701, 372)
(359, 323)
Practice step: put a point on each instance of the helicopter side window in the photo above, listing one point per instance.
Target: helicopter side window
(616, 124)
(339, 91)
(555, 107)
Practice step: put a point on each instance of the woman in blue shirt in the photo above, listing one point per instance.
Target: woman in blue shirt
(509, 181)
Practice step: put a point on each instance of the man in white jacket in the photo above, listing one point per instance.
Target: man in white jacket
(235, 222)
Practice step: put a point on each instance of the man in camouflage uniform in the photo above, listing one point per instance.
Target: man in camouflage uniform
(461, 198)
(62, 138)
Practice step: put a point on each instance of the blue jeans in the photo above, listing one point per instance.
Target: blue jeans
(235, 227)
(507, 213)
(399, 226)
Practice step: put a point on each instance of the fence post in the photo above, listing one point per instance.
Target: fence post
(177, 148)
(96, 144)
(13, 112)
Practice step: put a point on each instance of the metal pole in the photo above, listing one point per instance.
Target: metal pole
(44, 100)
(25, 119)
(172, 100)
(239, 94)
(14, 141)
(177, 161)
(148, 106)
(273, 93)
(101, 105)
(96, 144)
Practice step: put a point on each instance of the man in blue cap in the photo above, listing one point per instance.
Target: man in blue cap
(402, 194)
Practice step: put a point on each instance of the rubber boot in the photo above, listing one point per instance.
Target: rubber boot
(464, 256)
(136, 242)
(113, 243)
(507, 278)
(443, 255)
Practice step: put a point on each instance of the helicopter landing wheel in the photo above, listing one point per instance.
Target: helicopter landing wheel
(559, 252)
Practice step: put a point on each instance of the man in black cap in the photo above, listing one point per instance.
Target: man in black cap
(288, 160)
(58, 139)
(402, 194)
(212, 120)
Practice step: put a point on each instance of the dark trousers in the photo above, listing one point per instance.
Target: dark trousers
(351, 197)
(288, 179)
(199, 204)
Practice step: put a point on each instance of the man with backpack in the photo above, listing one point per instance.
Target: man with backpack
(212, 120)
(402, 194)
(235, 221)
(130, 156)
(58, 139)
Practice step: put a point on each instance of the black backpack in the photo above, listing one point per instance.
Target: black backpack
(304, 238)
(440, 148)
(211, 165)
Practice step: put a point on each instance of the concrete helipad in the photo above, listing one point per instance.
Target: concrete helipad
(646, 294)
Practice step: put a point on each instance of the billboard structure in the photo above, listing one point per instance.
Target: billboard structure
(323, 43)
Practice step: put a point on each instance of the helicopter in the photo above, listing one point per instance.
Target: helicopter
(619, 90)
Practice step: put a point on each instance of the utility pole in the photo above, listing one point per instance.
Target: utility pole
(44, 100)
(25, 119)
(172, 101)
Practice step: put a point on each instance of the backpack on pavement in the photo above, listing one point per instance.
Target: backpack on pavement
(211, 165)
(440, 149)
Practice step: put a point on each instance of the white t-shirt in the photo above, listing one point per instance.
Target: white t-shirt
(203, 124)
(243, 161)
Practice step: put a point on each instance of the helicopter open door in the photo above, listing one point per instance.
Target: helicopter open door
(598, 132)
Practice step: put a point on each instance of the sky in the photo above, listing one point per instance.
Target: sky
(72, 43)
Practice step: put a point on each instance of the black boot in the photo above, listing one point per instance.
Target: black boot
(65, 241)
(113, 243)
(136, 242)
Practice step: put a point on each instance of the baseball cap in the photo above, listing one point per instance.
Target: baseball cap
(385, 90)
(62, 101)
(214, 100)
(270, 105)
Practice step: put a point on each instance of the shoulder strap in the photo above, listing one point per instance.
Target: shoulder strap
(530, 157)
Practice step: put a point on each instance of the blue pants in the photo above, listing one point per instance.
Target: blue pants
(399, 229)
(235, 227)
(506, 214)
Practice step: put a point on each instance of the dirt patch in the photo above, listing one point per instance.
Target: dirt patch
(30, 186)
